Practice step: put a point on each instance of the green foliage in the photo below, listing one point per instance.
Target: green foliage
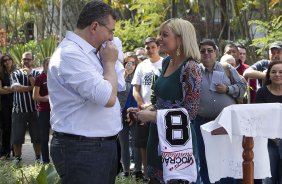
(46, 47)
(7, 174)
(40, 49)
(129, 180)
(28, 174)
(272, 30)
(40, 174)
(17, 50)
(16, 53)
(133, 34)
(48, 174)
(145, 22)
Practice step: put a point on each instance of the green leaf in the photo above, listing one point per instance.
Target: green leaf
(42, 177)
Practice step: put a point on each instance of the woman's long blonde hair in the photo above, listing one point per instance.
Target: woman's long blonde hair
(186, 31)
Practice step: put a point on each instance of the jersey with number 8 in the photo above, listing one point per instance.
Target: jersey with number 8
(175, 142)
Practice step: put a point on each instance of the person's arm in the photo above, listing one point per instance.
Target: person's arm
(192, 88)
(16, 86)
(31, 80)
(238, 85)
(137, 96)
(250, 73)
(36, 96)
(109, 56)
(4, 89)
(22, 88)
(146, 116)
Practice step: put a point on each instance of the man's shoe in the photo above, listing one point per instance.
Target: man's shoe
(139, 175)
(126, 174)
(5, 157)
(145, 180)
(17, 161)
(38, 161)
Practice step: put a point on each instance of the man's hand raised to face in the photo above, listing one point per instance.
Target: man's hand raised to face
(109, 53)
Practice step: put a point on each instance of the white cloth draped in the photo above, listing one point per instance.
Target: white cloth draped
(224, 152)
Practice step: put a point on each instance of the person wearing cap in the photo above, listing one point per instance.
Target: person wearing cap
(259, 69)
(142, 82)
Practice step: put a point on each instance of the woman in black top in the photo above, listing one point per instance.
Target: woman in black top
(272, 93)
(7, 66)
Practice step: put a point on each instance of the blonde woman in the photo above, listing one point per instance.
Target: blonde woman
(178, 86)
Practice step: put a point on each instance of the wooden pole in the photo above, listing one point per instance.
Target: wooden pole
(248, 164)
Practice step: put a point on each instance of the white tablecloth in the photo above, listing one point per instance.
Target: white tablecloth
(224, 152)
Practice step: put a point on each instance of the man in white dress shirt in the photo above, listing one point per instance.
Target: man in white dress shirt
(85, 112)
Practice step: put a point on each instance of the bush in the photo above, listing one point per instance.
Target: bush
(28, 174)
(39, 174)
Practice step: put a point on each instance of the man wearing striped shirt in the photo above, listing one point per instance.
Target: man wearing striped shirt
(24, 112)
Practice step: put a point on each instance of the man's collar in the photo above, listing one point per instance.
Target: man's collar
(83, 44)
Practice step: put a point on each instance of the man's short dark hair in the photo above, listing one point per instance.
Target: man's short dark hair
(231, 45)
(209, 42)
(94, 11)
(241, 46)
(151, 39)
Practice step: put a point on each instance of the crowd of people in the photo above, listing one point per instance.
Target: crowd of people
(107, 107)
(19, 107)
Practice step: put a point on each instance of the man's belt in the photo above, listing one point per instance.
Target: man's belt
(81, 138)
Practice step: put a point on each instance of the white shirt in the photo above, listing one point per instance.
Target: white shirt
(175, 142)
(119, 66)
(78, 91)
(144, 75)
(224, 152)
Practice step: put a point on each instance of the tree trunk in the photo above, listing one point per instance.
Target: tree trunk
(173, 9)
(224, 20)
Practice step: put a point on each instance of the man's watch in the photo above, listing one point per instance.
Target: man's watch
(30, 75)
(227, 89)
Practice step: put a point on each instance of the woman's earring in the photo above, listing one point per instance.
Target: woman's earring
(178, 51)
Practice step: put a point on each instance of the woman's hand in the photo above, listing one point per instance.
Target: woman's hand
(131, 116)
(140, 116)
